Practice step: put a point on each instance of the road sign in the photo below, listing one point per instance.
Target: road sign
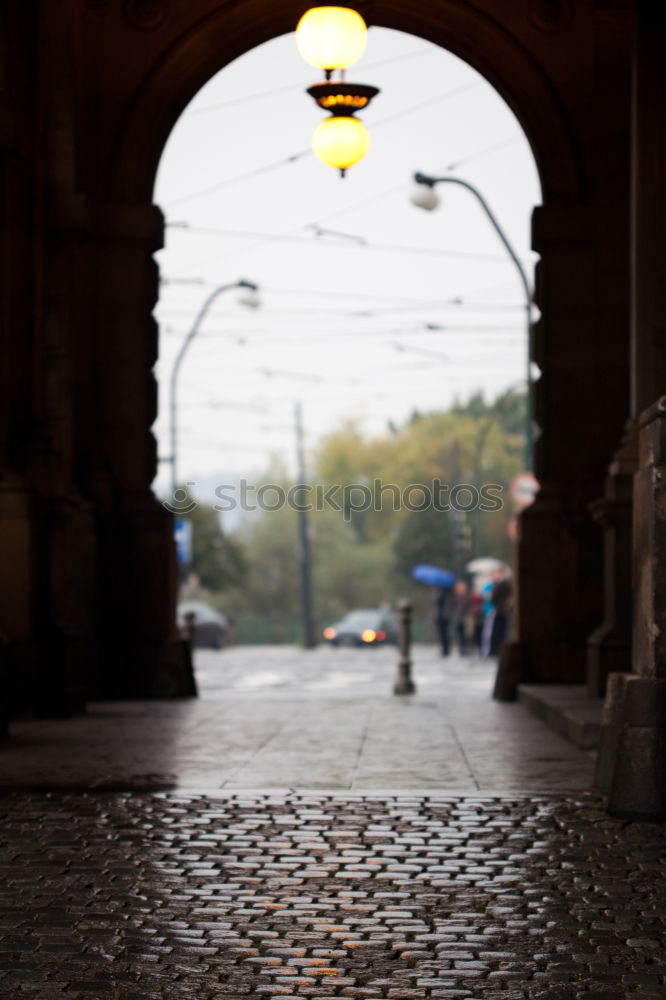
(523, 489)
(182, 533)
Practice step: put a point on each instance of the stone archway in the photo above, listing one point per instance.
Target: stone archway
(121, 73)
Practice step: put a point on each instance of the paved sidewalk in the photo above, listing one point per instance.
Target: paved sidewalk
(438, 888)
(402, 897)
(282, 717)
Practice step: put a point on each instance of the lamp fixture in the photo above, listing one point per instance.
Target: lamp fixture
(333, 38)
(341, 141)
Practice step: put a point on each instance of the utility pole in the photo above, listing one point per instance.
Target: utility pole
(309, 640)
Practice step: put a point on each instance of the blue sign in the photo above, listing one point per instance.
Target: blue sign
(182, 533)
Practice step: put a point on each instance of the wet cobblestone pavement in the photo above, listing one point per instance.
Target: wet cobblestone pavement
(373, 897)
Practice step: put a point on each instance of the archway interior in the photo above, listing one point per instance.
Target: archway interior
(370, 308)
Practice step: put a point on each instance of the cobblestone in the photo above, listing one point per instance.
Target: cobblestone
(120, 896)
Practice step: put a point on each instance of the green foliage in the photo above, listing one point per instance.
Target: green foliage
(423, 537)
(348, 574)
(217, 559)
(474, 444)
(364, 558)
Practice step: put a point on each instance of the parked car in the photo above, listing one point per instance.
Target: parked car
(363, 627)
(210, 627)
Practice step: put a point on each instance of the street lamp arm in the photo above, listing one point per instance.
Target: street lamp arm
(199, 320)
(430, 182)
(201, 315)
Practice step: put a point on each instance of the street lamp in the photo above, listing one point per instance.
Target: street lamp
(425, 196)
(332, 38)
(250, 298)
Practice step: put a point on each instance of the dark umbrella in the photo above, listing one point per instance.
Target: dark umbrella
(434, 576)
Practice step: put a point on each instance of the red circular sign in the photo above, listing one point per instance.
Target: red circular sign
(523, 489)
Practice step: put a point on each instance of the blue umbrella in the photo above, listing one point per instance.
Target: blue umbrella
(433, 575)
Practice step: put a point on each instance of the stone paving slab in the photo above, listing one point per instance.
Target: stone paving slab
(568, 709)
(403, 896)
(283, 717)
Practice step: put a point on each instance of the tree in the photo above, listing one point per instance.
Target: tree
(423, 537)
(217, 559)
(365, 557)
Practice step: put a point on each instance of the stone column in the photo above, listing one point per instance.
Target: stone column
(46, 531)
(580, 403)
(638, 782)
(609, 647)
(18, 566)
(140, 653)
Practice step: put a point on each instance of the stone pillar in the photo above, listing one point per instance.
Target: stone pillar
(46, 530)
(638, 783)
(140, 652)
(579, 403)
(18, 537)
(609, 647)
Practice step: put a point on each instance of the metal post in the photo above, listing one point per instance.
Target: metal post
(403, 682)
(176, 368)
(304, 536)
(431, 182)
(189, 628)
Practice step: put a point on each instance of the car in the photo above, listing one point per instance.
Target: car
(210, 627)
(363, 627)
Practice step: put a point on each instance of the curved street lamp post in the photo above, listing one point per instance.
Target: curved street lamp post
(425, 197)
(253, 301)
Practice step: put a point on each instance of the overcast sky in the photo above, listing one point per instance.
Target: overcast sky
(351, 274)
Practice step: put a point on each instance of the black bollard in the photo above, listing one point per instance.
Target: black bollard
(188, 654)
(403, 682)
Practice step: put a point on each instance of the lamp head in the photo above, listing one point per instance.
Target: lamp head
(424, 196)
(341, 141)
(331, 37)
(250, 296)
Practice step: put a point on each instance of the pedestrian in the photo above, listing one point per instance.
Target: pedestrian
(488, 617)
(443, 599)
(501, 601)
(460, 616)
(476, 620)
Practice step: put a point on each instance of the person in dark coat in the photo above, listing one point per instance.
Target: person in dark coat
(476, 612)
(501, 601)
(461, 616)
(443, 611)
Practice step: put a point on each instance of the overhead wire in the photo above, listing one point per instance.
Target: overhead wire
(267, 238)
(294, 157)
(293, 237)
(458, 299)
(234, 102)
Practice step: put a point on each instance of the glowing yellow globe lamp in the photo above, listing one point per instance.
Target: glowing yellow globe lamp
(331, 37)
(341, 142)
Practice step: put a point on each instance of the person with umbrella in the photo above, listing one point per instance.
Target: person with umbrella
(442, 581)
